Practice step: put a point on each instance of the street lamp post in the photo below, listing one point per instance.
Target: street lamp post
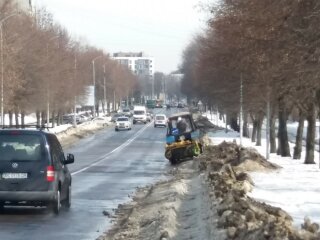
(75, 97)
(104, 88)
(2, 64)
(241, 109)
(94, 84)
(152, 91)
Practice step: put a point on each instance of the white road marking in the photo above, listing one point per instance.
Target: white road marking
(123, 145)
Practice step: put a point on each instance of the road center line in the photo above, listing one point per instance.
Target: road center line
(123, 145)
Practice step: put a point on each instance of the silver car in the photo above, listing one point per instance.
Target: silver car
(123, 123)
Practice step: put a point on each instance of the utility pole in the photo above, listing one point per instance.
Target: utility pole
(268, 124)
(2, 77)
(114, 100)
(152, 95)
(94, 85)
(104, 88)
(75, 97)
(241, 108)
(94, 89)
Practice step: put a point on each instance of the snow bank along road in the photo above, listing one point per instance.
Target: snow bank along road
(108, 167)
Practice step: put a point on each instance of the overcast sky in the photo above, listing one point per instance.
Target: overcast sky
(160, 28)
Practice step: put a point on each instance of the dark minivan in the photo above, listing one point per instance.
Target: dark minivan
(33, 170)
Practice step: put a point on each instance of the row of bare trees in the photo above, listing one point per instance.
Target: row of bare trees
(45, 68)
(268, 52)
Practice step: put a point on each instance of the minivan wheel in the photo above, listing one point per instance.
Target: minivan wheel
(56, 204)
(67, 202)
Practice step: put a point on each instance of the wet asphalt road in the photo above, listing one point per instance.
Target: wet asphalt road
(108, 167)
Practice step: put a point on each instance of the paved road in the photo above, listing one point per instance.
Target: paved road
(108, 167)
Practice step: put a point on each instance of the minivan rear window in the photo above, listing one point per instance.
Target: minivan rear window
(19, 147)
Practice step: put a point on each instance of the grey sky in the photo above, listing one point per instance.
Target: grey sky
(160, 28)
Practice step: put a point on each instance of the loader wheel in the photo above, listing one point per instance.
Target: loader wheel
(168, 154)
(196, 150)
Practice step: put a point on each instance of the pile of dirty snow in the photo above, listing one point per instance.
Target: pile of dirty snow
(227, 166)
(179, 208)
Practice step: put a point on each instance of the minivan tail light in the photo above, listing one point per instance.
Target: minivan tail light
(50, 173)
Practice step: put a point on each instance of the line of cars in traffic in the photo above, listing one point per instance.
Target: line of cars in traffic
(126, 117)
(80, 118)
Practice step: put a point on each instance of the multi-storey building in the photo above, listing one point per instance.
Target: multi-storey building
(141, 65)
(25, 5)
(138, 63)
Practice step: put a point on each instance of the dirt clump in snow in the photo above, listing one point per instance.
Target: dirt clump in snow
(242, 216)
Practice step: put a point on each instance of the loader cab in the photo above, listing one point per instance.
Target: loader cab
(182, 140)
(180, 125)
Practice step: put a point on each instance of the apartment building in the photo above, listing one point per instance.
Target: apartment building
(141, 65)
(25, 5)
(138, 63)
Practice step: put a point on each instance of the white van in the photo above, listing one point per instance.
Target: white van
(139, 114)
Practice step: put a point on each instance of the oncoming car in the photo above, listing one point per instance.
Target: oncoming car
(123, 123)
(127, 112)
(149, 116)
(115, 117)
(160, 120)
(139, 114)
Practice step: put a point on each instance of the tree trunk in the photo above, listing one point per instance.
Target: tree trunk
(59, 118)
(53, 118)
(283, 148)
(259, 129)
(311, 134)
(103, 107)
(97, 108)
(10, 118)
(234, 122)
(23, 114)
(38, 117)
(43, 118)
(298, 146)
(254, 129)
(273, 145)
(245, 129)
(108, 106)
(16, 118)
